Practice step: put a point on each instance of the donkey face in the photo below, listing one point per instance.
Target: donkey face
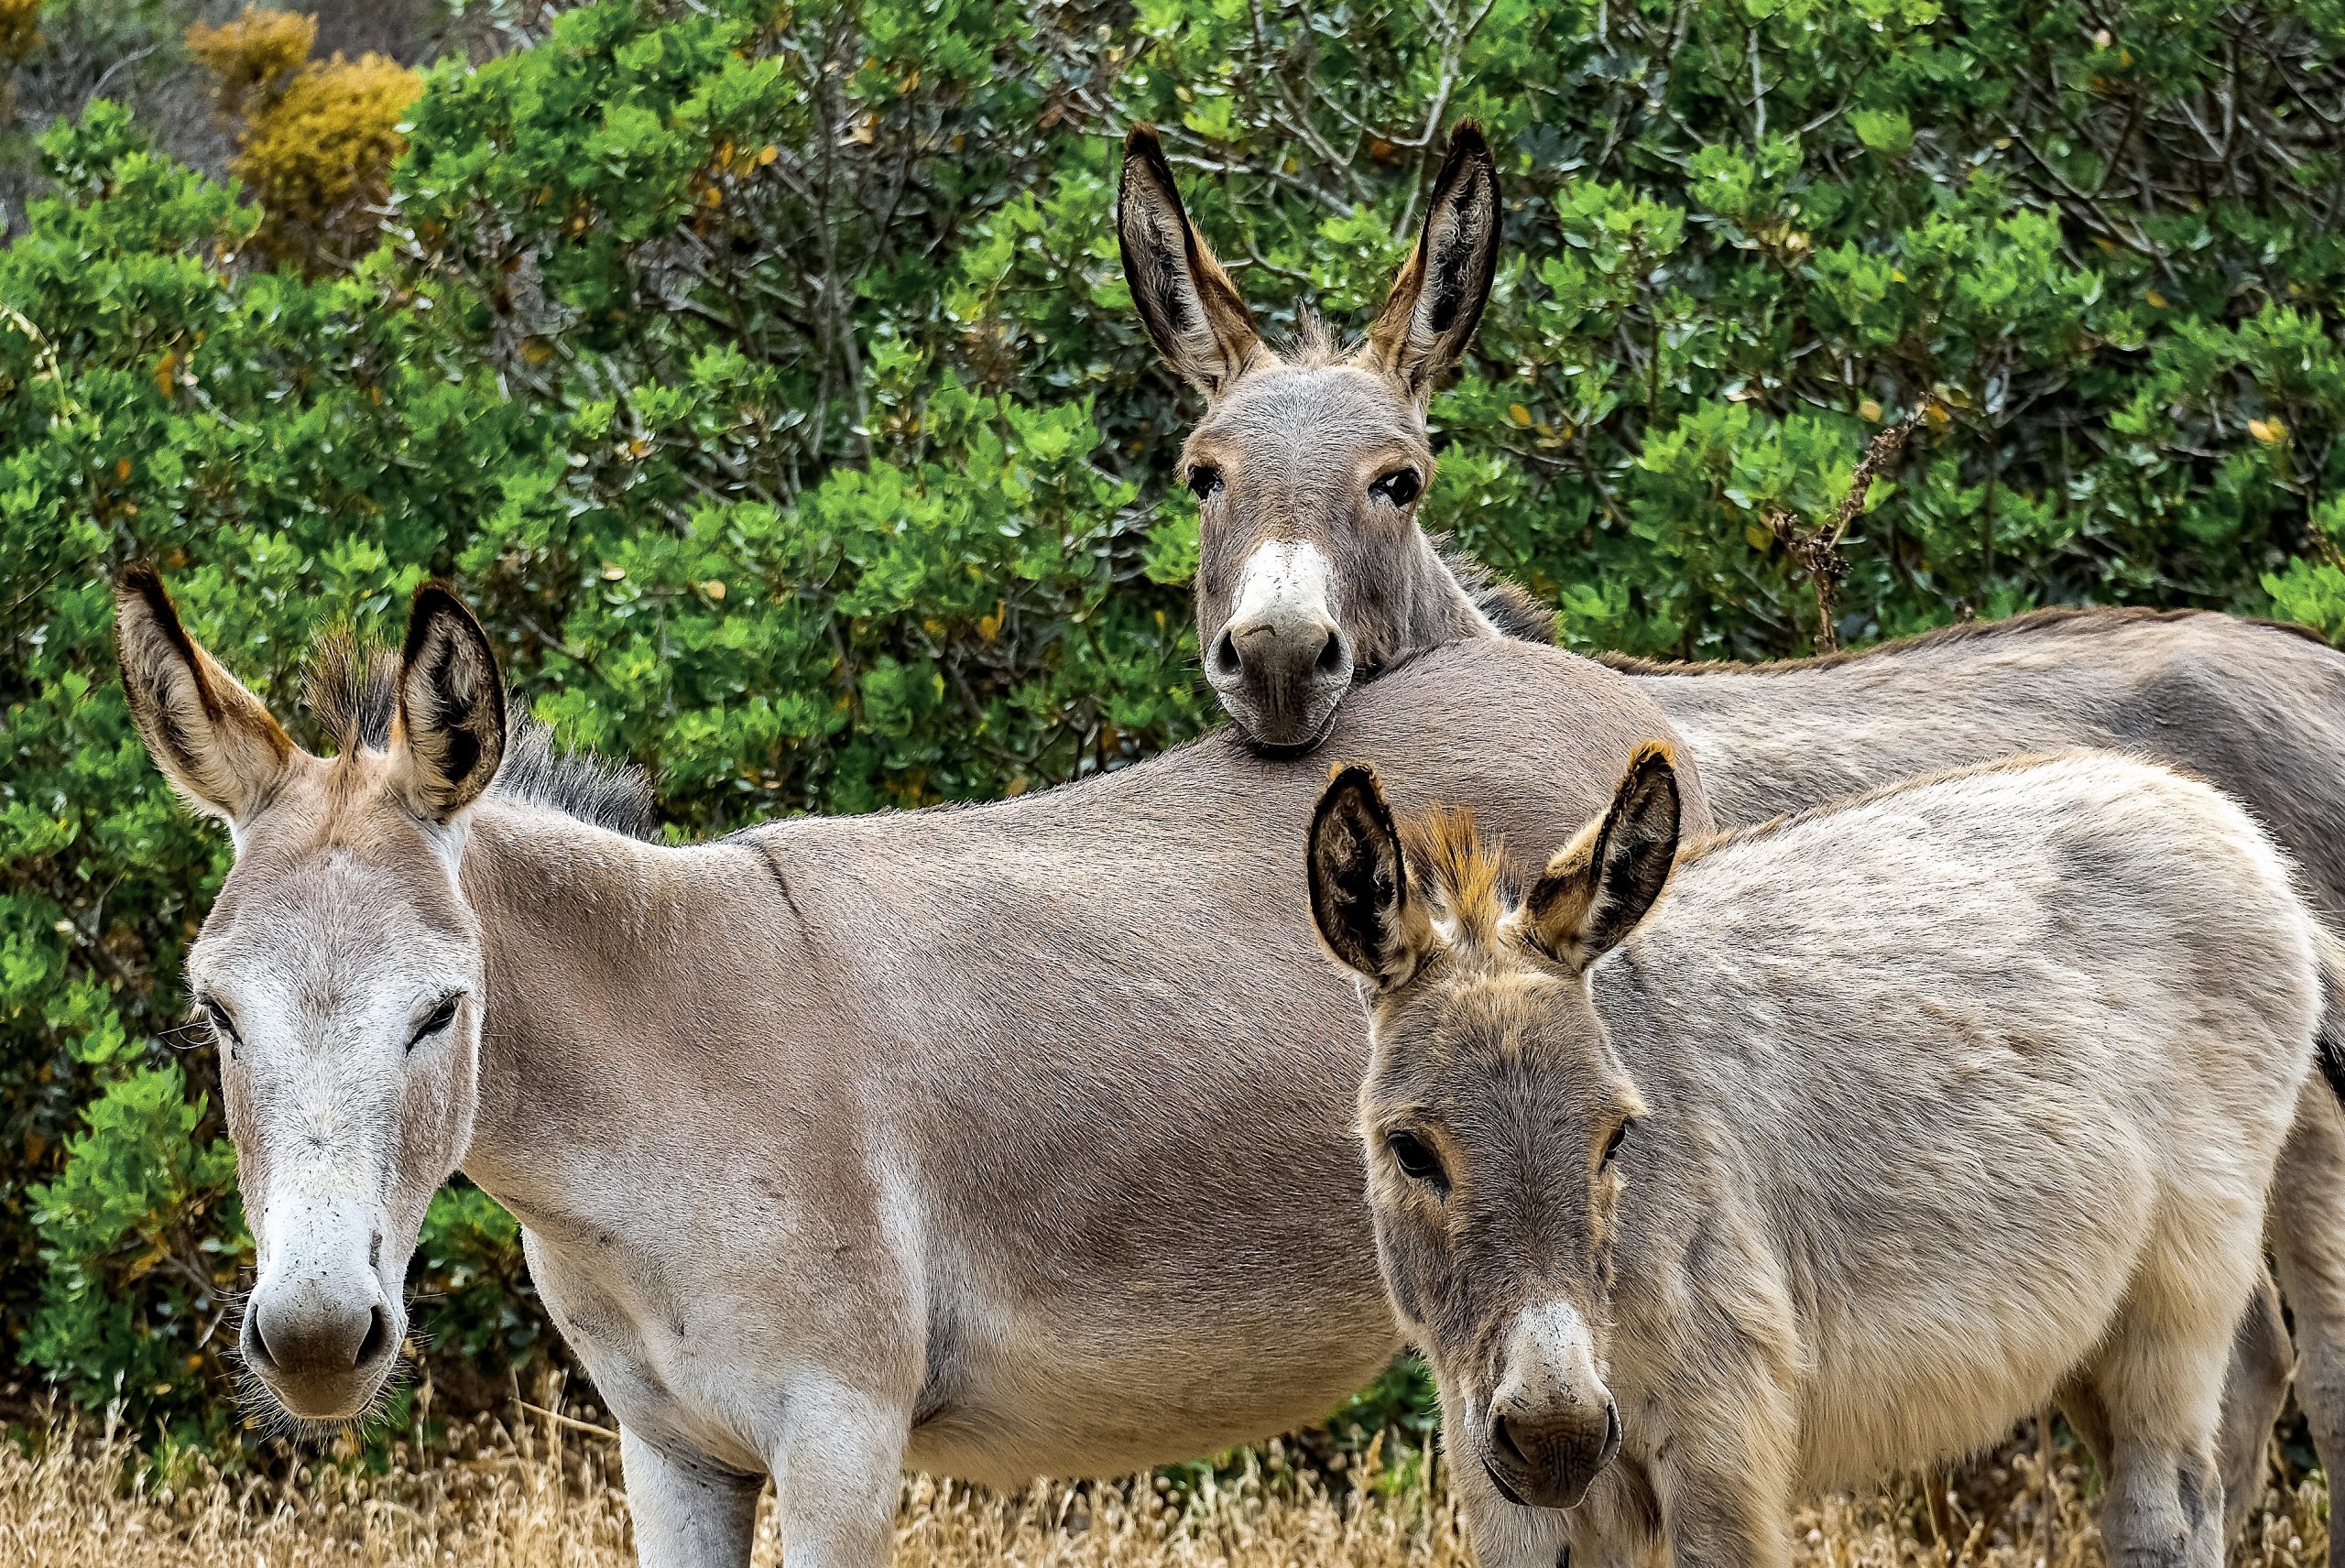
(340, 971)
(1307, 470)
(1496, 1114)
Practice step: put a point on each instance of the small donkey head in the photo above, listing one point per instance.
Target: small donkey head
(339, 969)
(1495, 1114)
(1308, 469)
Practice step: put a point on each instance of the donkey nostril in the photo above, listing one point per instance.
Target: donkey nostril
(1331, 654)
(379, 1332)
(1224, 657)
(1503, 1435)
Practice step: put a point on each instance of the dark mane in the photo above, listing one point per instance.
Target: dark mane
(352, 689)
(2056, 617)
(1508, 604)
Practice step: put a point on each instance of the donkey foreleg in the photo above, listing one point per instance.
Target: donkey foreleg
(2307, 1229)
(837, 1471)
(687, 1516)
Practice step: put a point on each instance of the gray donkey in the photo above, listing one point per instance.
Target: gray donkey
(997, 1141)
(1314, 573)
(1888, 1121)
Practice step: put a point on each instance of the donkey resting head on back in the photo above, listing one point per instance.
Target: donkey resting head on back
(1888, 1123)
(1308, 466)
(349, 1067)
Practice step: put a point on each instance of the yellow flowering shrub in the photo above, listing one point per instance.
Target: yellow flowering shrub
(316, 138)
(19, 30)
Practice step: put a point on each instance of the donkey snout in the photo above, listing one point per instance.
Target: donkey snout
(1281, 678)
(1546, 1458)
(1281, 663)
(321, 1350)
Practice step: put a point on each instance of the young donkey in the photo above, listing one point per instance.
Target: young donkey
(998, 1141)
(1887, 1122)
(1309, 470)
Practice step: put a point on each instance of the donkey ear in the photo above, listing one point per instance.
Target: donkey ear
(1359, 883)
(215, 741)
(1436, 302)
(1601, 885)
(1191, 309)
(452, 706)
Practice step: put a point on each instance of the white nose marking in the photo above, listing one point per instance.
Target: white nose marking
(1285, 580)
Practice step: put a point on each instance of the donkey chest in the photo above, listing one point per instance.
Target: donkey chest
(664, 1358)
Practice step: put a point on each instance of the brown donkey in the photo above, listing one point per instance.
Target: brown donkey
(997, 1141)
(1320, 459)
(1886, 1123)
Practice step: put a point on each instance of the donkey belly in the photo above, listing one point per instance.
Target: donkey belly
(1922, 1355)
(1133, 1384)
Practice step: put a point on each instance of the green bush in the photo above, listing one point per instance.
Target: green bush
(767, 376)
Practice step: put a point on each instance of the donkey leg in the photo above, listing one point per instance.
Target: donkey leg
(2160, 1384)
(2254, 1391)
(1731, 1515)
(2308, 1233)
(2256, 1387)
(837, 1471)
(686, 1516)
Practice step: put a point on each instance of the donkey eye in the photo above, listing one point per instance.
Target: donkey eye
(223, 1027)
(1204, 481)
(1416, 1162)
(1399, 486)
(441, 1016)
(1612, 1144)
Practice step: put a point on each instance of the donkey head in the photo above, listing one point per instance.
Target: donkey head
(340, 970)
(1308, 469)
(1495, 1114)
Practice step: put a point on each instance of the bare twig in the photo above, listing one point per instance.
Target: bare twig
(1818, 550)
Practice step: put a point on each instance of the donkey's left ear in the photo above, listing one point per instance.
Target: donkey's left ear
(1601, 885)
(452, 729)
(1359, 883)
(1436, 302)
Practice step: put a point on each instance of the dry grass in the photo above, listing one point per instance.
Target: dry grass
(539, 1496)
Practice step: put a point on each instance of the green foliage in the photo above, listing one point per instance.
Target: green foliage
(767, 375)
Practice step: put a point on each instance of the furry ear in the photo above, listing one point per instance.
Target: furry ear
(451, 732)
(1359, 883)
(1436, 302)
(1192, 310)
(1598, 887)
(217, 742)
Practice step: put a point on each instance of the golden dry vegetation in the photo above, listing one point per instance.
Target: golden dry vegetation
(542, 1493)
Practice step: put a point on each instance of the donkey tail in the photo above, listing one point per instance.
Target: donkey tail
(2328, 1045)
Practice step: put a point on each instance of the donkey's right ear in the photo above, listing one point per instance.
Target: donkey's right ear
(1359, 883)
(1191, 309)
(451, 725)
(1599, 885)
(215, 741)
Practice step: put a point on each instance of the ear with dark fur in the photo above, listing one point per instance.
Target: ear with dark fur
(1359, 883)
(1192, 310)
(451, 732)
(1601, 885)
(1436, 302)
(217, 742)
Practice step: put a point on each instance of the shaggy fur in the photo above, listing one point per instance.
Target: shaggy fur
(1887, 1123)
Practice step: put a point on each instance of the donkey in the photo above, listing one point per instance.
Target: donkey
(994, 1141)
(1309, 468)
(1892, 1119)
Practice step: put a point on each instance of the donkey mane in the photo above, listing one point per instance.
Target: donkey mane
(2055, 617)
(352, 688)
(1467, 872)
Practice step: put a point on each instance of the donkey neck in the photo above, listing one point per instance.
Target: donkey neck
(1437, 609)
(601, 953)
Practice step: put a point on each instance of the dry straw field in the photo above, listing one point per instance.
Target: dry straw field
(542, 1493)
